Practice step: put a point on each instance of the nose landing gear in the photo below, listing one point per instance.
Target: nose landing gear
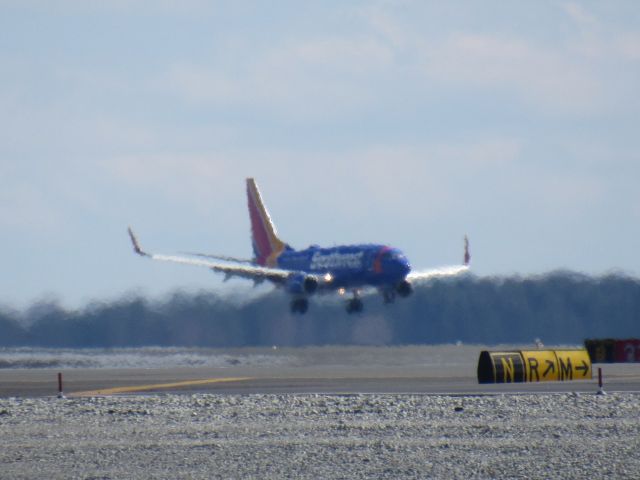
(404, 289)
(354, 305)
(389, 296)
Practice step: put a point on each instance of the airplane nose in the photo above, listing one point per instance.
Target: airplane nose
(404, 268)
(392, 263)
(399, 267)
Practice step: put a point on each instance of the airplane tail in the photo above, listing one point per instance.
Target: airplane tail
(467, 256)
(266, 244)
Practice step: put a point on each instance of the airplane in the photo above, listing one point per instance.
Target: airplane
(304, 273)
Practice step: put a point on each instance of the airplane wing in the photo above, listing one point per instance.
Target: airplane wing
(223, 258)
(252, 272)
(448, 271)
(420, 276)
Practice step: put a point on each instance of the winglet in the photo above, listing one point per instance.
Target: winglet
(467, 255)
(136, 245)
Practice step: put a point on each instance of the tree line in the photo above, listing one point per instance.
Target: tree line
(558, 308)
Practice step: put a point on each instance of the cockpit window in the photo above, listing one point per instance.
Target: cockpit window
(393, 255)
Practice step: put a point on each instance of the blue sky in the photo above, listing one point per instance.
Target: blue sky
(401, 122)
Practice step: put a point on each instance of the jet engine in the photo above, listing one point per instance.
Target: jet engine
(301, 284)
(404, 288)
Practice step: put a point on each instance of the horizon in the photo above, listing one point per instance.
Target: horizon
(243, 292)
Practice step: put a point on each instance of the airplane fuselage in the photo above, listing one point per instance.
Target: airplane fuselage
(350, 266)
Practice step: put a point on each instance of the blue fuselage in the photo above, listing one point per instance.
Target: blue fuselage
(350, 266)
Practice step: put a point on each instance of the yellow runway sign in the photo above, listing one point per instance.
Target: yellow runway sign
(540, 365)
(533, 366)
(501, 367)
(573, 364)
(158, 386)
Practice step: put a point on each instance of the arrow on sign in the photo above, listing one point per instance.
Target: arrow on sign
(584, 367)
(551, 367)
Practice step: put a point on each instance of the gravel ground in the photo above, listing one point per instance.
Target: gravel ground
(321, 436)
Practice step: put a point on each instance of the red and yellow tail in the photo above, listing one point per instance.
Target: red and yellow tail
(266, 244)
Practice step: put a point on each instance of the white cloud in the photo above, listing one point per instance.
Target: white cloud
(601, 41)
(385, 25)
(197, 84)
(28, 208)
(113, 6)
(542, 77)
(324, 76)
(349, 55)
(423, 178)
(579, 14)
(628, 46)
(191, 178)
(561, 73)
(308, 78)
(561, 194)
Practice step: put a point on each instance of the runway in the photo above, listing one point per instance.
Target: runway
(322, 412)
(321, 370)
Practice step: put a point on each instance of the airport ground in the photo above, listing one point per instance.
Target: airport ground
(407, 412)
(440, 369)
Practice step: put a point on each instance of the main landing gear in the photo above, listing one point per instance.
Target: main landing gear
(299, 305)
(354, 305)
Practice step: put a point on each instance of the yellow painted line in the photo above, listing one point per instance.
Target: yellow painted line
(157, 386)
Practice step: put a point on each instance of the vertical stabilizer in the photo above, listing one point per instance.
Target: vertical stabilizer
(467, 255)
(266, 244)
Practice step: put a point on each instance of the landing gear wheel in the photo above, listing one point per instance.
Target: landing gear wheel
(354, 305)
(404, 289)
(299, 305)
(389, 296)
